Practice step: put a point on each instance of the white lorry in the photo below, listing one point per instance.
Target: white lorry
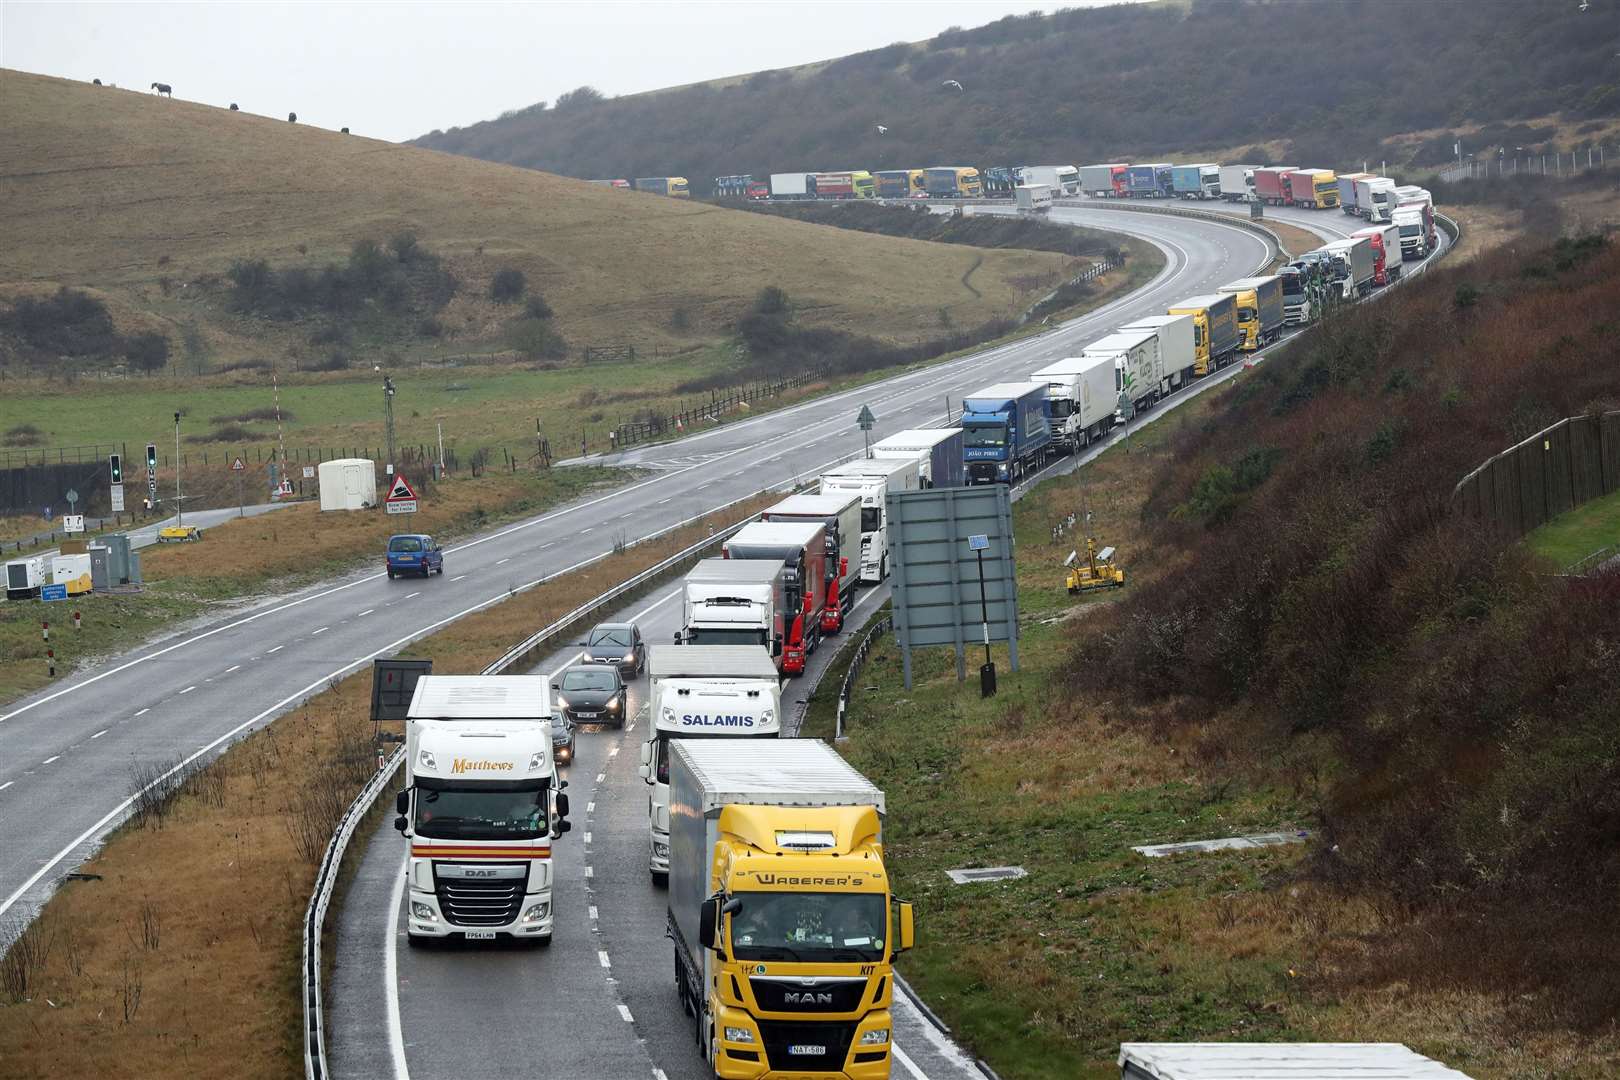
(790, 186)
(1033, 198)
(702, 691)
(734, 602)
(1177, 351)
(938, 453)
(1080, 399)
(1064, 180)
(1375, 199)
(481, 805)
(1137, 373)
(1237, 183)
(872, 479)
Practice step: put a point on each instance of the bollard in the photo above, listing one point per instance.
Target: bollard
(78, 621)
(45, 631)
(379, 759)
(50, 661)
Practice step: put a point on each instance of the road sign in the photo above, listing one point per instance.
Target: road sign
(73, 523)
(72, 496)
(116, 494)
(865, 419)
(309, 472)
(401, 497)
(238, 465)
(1125, 406)
(978, 542)
(53, 592)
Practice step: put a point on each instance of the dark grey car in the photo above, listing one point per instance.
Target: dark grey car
(618, 644)
(562, 739)
(592, 695)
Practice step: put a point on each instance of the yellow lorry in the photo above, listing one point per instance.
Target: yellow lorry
(784, 926)
(1215, 330)
(1259, 309)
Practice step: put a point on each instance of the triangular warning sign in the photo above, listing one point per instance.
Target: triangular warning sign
(238, 465)
(401, 491)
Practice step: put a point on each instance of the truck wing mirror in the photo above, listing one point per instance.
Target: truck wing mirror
(402, 802)
(401, 823)
(556, 686)
(905, 925)
(776, 645)
(677, 637)
(645, 772)
(708, 919)
(562, 805)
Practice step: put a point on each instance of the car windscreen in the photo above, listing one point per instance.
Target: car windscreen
(616, 635)
(589, 680)
(405, 543)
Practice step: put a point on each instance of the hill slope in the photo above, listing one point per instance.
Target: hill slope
(149, 202)
(1338, 77)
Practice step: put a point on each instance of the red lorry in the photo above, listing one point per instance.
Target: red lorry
(1386, 245)
(1271, 184)
(801, 548)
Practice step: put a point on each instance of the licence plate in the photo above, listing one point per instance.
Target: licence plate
(480, 935)
(586, 715)
(806, 1050)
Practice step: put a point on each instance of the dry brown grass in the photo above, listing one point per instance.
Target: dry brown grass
(115, 190)
(223, 879)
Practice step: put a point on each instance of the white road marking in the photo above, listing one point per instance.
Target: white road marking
(624, 1011)
(601, 776)
(658, 1074)
(587, 838)
(144, 711)
(909, 1065)
(416, 593)
(99, 734)
(661, 502)
(458, 577)
(590, 808)
(505, 560)
(7, 784)
(278, 648)
(50, 759)
(613, 751)
(592, 910)
(369, 610)
(233, 667)
(602, 958)
(396, 1037)
(188, 689)
(322, 630)
(587, 528)
(588, 872)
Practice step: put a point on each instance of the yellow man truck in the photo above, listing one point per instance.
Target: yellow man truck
(780, 910)
(1215, 332)
(1259, 309)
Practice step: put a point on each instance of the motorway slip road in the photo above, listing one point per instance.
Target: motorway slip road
(66, 753)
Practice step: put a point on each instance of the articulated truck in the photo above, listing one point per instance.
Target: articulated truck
(899, 183)
(1135, 356)
(871, 480)
(480, 808)
(1313, 188)
(1415, 224)
(952, 182)
(1104, 181)
(1080, 399)
(800, 548)
(937, 451)
(1196, 181)
(1271, 184)
(1351, 266)
(1347, 190)
(1064, 180)
(676, 187)
(702, 692)
(840, 514)
(856, 184)
(748, 602)
(1177, 355)
(1215, 332)
(1149, 181)
(780, 908)
(1386, 245)
(1375, 199)
(1259, 309)
(1237, 183)
(1005, 435)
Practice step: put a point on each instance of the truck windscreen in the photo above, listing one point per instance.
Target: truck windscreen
(1293, 285)
(983, 435)
(871, 518)
(484, 811)
(809, 927)
(707, 635)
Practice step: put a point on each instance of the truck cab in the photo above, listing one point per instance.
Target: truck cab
(1259, 310)
(702, 692)
(1004, 432)
(736, 603)
(481, 806)
(872, 479)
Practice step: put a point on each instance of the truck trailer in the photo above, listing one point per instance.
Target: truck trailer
(1271, 184)
(480, 808)
(1351, 266)
(840, 514)
(1259, 309)
(1005, 435)
(1215, 333)
(1176, 352)
(1104, 181)
(952, 182)
(1033, 198)
(1386, 245)
(791, 185)
(737, 603)
(705, 692)
(1080, 399)
(898, 183)
(872, 479)
(937, 451)
(1237, 183)
(1196, 181)
(1064, 180)
(783, 921)
(1347, 190)
(1148, 181)
(1137, 374)
(676, 187)
(801, 550)
(1314, 189)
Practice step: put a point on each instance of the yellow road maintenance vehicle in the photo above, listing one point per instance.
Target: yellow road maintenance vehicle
(1096, 571)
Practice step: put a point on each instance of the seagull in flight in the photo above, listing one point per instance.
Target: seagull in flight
(951, 84)
(881, 130)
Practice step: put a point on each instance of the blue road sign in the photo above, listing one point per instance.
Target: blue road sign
(53, 592)
(978, 542)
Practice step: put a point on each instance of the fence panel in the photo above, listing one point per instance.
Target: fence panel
(1532, 489)
(1611, 451)
(1548, 474)
(1585, 459)
(1555, 470)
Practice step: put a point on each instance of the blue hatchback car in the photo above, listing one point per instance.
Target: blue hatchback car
(414, 553)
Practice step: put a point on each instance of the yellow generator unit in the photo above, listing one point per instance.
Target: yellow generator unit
(1095, 571)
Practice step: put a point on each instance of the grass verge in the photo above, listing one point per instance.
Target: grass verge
(178, 952)
(1571, 537)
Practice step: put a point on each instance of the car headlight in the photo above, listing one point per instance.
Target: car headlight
(613, 706)
(562, 701)
(736, 1034)
(423, 912)
(875, 1037)
(629, 656)
(538, 913)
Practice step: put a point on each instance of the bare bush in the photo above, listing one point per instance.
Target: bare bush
(147, 928)
(153, 785)
(25, 960)
(130, 989)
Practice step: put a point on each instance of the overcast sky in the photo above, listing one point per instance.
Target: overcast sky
(398, 70)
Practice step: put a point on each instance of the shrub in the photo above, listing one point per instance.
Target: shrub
(23, 435)
(507, 285)
(404, 246)
(537, 308)
(680, 318)
(147, 352)
(430, 327)
(536, 339)
(336, 360)
(771, 301)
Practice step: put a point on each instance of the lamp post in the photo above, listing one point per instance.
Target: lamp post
(179, 507)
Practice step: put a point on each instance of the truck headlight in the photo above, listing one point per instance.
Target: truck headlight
(536, 760)
(1001, 467)
(875, 1037)
(423, 912)
(537, 912)
(660, 849)
(735, 1034)
(767, 716)
(666, 715)
(425, 759)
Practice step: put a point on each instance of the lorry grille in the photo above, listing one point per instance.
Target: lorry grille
(778, 1037)
(794, 997)
(481, 903)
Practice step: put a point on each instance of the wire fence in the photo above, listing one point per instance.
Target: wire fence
(710, 410)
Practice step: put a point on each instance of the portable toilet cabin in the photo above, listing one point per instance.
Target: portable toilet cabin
(348, 484)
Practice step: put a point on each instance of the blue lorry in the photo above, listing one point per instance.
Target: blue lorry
(1005, 434)
(1149, 181)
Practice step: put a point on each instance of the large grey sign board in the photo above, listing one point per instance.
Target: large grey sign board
(934, 570)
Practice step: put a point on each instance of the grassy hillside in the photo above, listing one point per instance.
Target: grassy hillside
(1330, 82)
(163, 210)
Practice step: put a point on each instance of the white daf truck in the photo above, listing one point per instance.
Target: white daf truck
(481, 806)
(702, 692)
(872, 479)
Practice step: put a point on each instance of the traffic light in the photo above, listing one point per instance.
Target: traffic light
(115, 463)
(151, 458)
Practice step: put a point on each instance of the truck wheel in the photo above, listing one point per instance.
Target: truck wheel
(544, 943)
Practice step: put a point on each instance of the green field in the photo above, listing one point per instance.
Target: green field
(1571, 537)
